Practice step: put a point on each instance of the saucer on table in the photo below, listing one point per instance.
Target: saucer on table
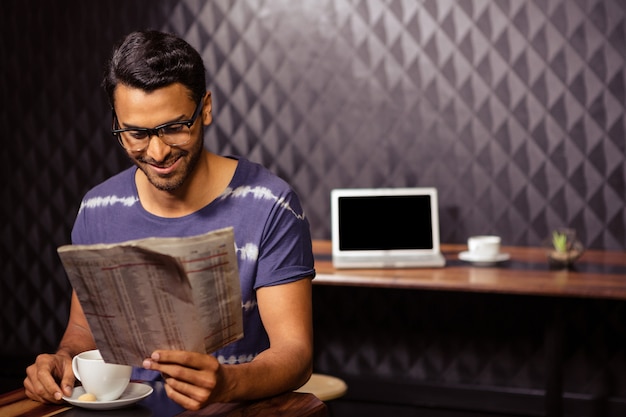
(483, 260)
(133, 393)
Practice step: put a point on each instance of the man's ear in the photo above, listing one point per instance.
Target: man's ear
(207, 107)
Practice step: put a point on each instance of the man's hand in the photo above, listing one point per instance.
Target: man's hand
(42, 376)
(194, 380)
(190, 378)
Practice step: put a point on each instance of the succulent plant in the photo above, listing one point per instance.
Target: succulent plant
(560, 241)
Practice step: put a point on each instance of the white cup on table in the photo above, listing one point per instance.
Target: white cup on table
(484, 247)
(107, 381)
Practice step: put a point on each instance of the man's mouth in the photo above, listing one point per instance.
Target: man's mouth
(163, 168)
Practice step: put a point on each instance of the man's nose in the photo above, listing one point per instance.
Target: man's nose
(157, 149)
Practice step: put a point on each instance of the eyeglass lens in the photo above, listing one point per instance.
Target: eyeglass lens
(177, 134)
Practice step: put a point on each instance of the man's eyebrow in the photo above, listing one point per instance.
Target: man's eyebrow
(131, 126)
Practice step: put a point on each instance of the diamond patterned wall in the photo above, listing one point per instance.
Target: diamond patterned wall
(514, 110)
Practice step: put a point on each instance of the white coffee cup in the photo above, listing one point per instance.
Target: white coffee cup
(484, 247)
(107, 381)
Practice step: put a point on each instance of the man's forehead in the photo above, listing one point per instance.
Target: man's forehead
(174, 91)
(139, 108)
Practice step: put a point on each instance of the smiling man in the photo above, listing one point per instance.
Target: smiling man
(157, 88)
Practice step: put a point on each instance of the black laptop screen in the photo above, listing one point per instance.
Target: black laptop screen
(385, 222)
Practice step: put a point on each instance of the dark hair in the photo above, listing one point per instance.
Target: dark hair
(150, 60)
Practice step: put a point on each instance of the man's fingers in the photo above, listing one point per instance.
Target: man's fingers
(67, 381)
(182, 394)
(40, 383)
(49, 388)
(191, 360)
(30, 391)
(188, 359)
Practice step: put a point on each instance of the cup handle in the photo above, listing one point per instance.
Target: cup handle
(75, 367)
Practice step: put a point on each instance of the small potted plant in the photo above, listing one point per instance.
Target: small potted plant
(565, 248)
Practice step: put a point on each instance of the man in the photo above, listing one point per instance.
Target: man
(157, 89)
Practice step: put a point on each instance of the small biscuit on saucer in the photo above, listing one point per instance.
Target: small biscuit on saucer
(87, 397)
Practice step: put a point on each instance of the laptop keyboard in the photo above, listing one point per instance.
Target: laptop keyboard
(413, 261)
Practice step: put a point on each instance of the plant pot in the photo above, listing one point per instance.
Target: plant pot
(561, 260)
(564, 258)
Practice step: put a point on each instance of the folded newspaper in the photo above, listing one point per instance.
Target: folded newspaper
(158, 293)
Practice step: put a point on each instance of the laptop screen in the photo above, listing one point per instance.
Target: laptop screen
(385, 222)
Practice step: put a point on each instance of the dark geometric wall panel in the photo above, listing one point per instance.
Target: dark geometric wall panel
(513, 110)
(55, 146)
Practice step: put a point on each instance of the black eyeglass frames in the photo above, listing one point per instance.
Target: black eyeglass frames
(177, 133)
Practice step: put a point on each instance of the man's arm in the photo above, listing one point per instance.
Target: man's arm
(50, 373)
(77, 337)
(194, 380)
(286, 311)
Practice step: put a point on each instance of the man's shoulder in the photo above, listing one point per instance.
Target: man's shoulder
(121, 182)
(116, 190)
(254, 174)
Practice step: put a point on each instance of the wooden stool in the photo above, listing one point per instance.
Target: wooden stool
(324, 387)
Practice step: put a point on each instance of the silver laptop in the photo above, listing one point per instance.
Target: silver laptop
(385, 228)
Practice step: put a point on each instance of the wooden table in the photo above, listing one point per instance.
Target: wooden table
(597, 274)
(292, 404)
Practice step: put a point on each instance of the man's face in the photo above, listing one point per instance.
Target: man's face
(166, 167)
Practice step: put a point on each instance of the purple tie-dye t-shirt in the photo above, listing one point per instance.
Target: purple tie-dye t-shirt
(272, 237)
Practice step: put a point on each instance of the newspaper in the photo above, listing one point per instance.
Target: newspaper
(158, 293)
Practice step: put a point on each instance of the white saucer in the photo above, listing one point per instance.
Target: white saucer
(133, 393)
(483, 261)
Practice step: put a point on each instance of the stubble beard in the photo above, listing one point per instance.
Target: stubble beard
(174, 182)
